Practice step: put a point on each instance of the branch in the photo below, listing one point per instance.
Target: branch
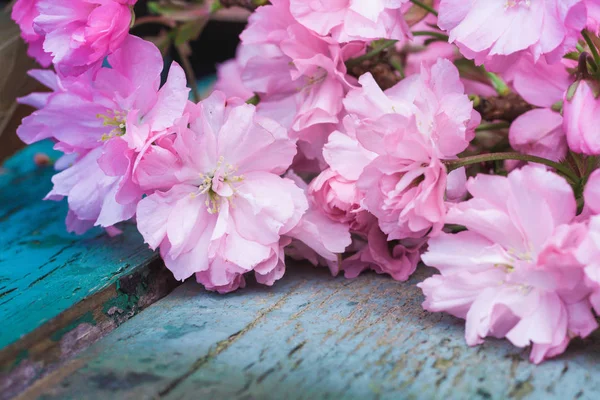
(506, 108)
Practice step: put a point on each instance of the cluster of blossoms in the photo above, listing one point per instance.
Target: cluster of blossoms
(355, 134)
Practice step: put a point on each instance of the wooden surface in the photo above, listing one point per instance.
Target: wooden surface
(311, 336)
(58, 291)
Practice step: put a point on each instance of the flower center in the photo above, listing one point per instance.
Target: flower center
(114, 119)
(310, 80)
(516, 3)
(217, 184)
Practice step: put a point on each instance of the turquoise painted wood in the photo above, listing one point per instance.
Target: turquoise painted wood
(43, 269)
(312, 336)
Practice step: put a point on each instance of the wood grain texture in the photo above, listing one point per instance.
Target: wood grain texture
(59, 292)
(312, 336)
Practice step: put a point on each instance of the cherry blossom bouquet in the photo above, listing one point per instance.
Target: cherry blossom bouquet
(355, 134)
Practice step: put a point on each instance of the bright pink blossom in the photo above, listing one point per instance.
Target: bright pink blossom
(497, 33)
(581, 113)
(23, 13)
(79, 35)
(348, 20)
(107, 118)
(228, 208)
(514, 273)
(593, 15)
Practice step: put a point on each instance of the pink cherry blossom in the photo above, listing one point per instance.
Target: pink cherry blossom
(581, 113)
(334, 190)
(348, 20)
(539, 83)
(397, 259)
(444, 115)
(227, 209)
(405, 190)
(412, 127)
(323, 240)
(514, 273)
(593, 15)
(229, 80)
(540, 133)
(588, 254)
(23, 13)
(591, 193)
(79, 35)
(307, 77)
(497, 33)
(107, 118)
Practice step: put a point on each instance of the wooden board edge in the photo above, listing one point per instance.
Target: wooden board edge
(52, 344)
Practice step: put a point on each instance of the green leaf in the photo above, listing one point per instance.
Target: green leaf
(189, 31)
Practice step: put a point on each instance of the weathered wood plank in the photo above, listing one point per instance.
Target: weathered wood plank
(58, 291)
(312, 337)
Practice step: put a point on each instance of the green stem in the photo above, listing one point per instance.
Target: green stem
(437, 35)
(397, 66)
(492, 127)
(499, 85)
(254, 100)
(463, 162)
(424, 7)
(592, 47)
(356, 61)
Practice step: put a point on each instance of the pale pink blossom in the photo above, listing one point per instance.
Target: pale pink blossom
(228, 209)
(348, 20)
(229, 80)
(588, 254)
(428, 55)
(79, 35)
(107, 119)
(323, 240)
(540, 83)
(412, 127)
(539, 132)
(498, 33)
(334, 190)
(591, 193)
(581, 116)
(444, 115)
(514, 273)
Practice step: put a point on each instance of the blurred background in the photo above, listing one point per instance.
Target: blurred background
(216, 43)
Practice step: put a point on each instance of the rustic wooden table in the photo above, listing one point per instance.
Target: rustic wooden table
(311, 336)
